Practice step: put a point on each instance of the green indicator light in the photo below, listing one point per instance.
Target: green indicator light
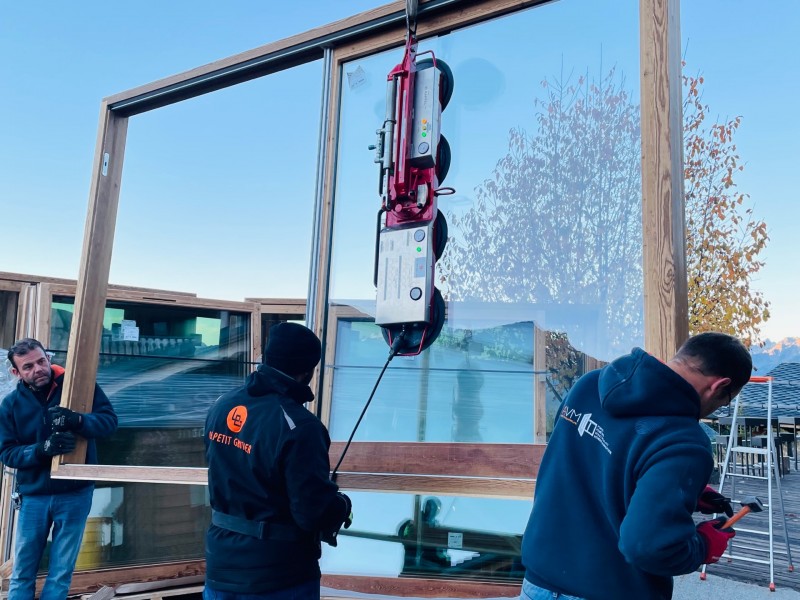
(419, 249)
(424, 134)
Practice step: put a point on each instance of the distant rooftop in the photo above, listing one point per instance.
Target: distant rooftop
(785, 394)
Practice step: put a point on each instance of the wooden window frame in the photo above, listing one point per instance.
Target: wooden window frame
(23, 306)
(68, 466)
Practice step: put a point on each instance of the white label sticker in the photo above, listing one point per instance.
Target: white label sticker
(455, 540)
(357, 78)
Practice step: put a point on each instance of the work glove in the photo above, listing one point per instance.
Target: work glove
(715, 537)
(331, 537)
(712, 502)
(64, 419)
(348, 520)
(60, 442)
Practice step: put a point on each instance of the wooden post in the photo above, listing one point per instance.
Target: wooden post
(666, 311)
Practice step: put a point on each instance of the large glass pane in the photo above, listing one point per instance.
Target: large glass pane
(140, 523)
(218, 191)
(404, 534)
(161, 367)
(542, 273)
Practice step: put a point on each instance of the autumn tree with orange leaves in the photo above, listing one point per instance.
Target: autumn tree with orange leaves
(723, 238)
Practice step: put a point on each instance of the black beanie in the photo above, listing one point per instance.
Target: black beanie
(292, 348)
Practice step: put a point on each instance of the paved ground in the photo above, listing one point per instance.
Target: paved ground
(689, 587)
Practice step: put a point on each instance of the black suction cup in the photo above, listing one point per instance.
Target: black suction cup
(439, 234)
(419, 336)
(443, 159)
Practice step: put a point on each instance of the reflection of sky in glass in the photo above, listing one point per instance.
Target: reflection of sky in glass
(229, 219)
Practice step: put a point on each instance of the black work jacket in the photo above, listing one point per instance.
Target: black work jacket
(268, 462)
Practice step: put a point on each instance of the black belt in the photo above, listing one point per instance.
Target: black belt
(262, 530)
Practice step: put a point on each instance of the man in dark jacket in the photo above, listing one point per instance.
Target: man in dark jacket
(272, 498)
(626, 466)
(34, 429)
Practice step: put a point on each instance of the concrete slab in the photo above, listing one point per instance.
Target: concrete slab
(689, 587)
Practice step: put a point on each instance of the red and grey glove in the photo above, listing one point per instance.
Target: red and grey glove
(715, 537)
(712, 502)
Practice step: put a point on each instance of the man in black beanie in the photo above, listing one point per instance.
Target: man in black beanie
(272, 499)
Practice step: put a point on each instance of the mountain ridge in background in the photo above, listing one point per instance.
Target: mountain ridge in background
(771, 354)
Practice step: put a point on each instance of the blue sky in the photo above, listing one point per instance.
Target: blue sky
(747, 52)
(58, 60)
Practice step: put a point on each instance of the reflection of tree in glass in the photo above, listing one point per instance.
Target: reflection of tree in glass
(560, 221)
(564, 363)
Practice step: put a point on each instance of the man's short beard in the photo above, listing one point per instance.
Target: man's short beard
(35, 388)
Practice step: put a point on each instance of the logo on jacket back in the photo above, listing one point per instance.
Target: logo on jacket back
(236, 418)
(585, 425)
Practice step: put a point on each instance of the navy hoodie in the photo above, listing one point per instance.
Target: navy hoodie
(268, 461)
(24, 425)
(625, 465)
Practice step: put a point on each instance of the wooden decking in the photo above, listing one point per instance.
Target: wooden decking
(749, 543)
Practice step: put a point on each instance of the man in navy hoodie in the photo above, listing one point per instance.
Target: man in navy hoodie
(34, 429)
(625, 468)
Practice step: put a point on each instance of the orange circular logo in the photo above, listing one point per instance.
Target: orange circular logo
(236, 418)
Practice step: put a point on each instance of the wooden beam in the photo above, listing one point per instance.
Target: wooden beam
(475, 487)
(305, 47)
(156, 297)
(90, 299)
(36, 279)
(666, 311)
(513, 461)
(135, 473)
(462, 14)
(447, 464)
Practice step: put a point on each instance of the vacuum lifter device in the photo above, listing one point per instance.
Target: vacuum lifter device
(414, 158)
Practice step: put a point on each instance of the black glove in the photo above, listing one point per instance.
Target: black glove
(348, 520)
(64, 419)
(715, 537)
(331, 537)
(712, 502)
(61, 442)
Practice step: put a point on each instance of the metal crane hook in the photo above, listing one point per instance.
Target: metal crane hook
(411, 16)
